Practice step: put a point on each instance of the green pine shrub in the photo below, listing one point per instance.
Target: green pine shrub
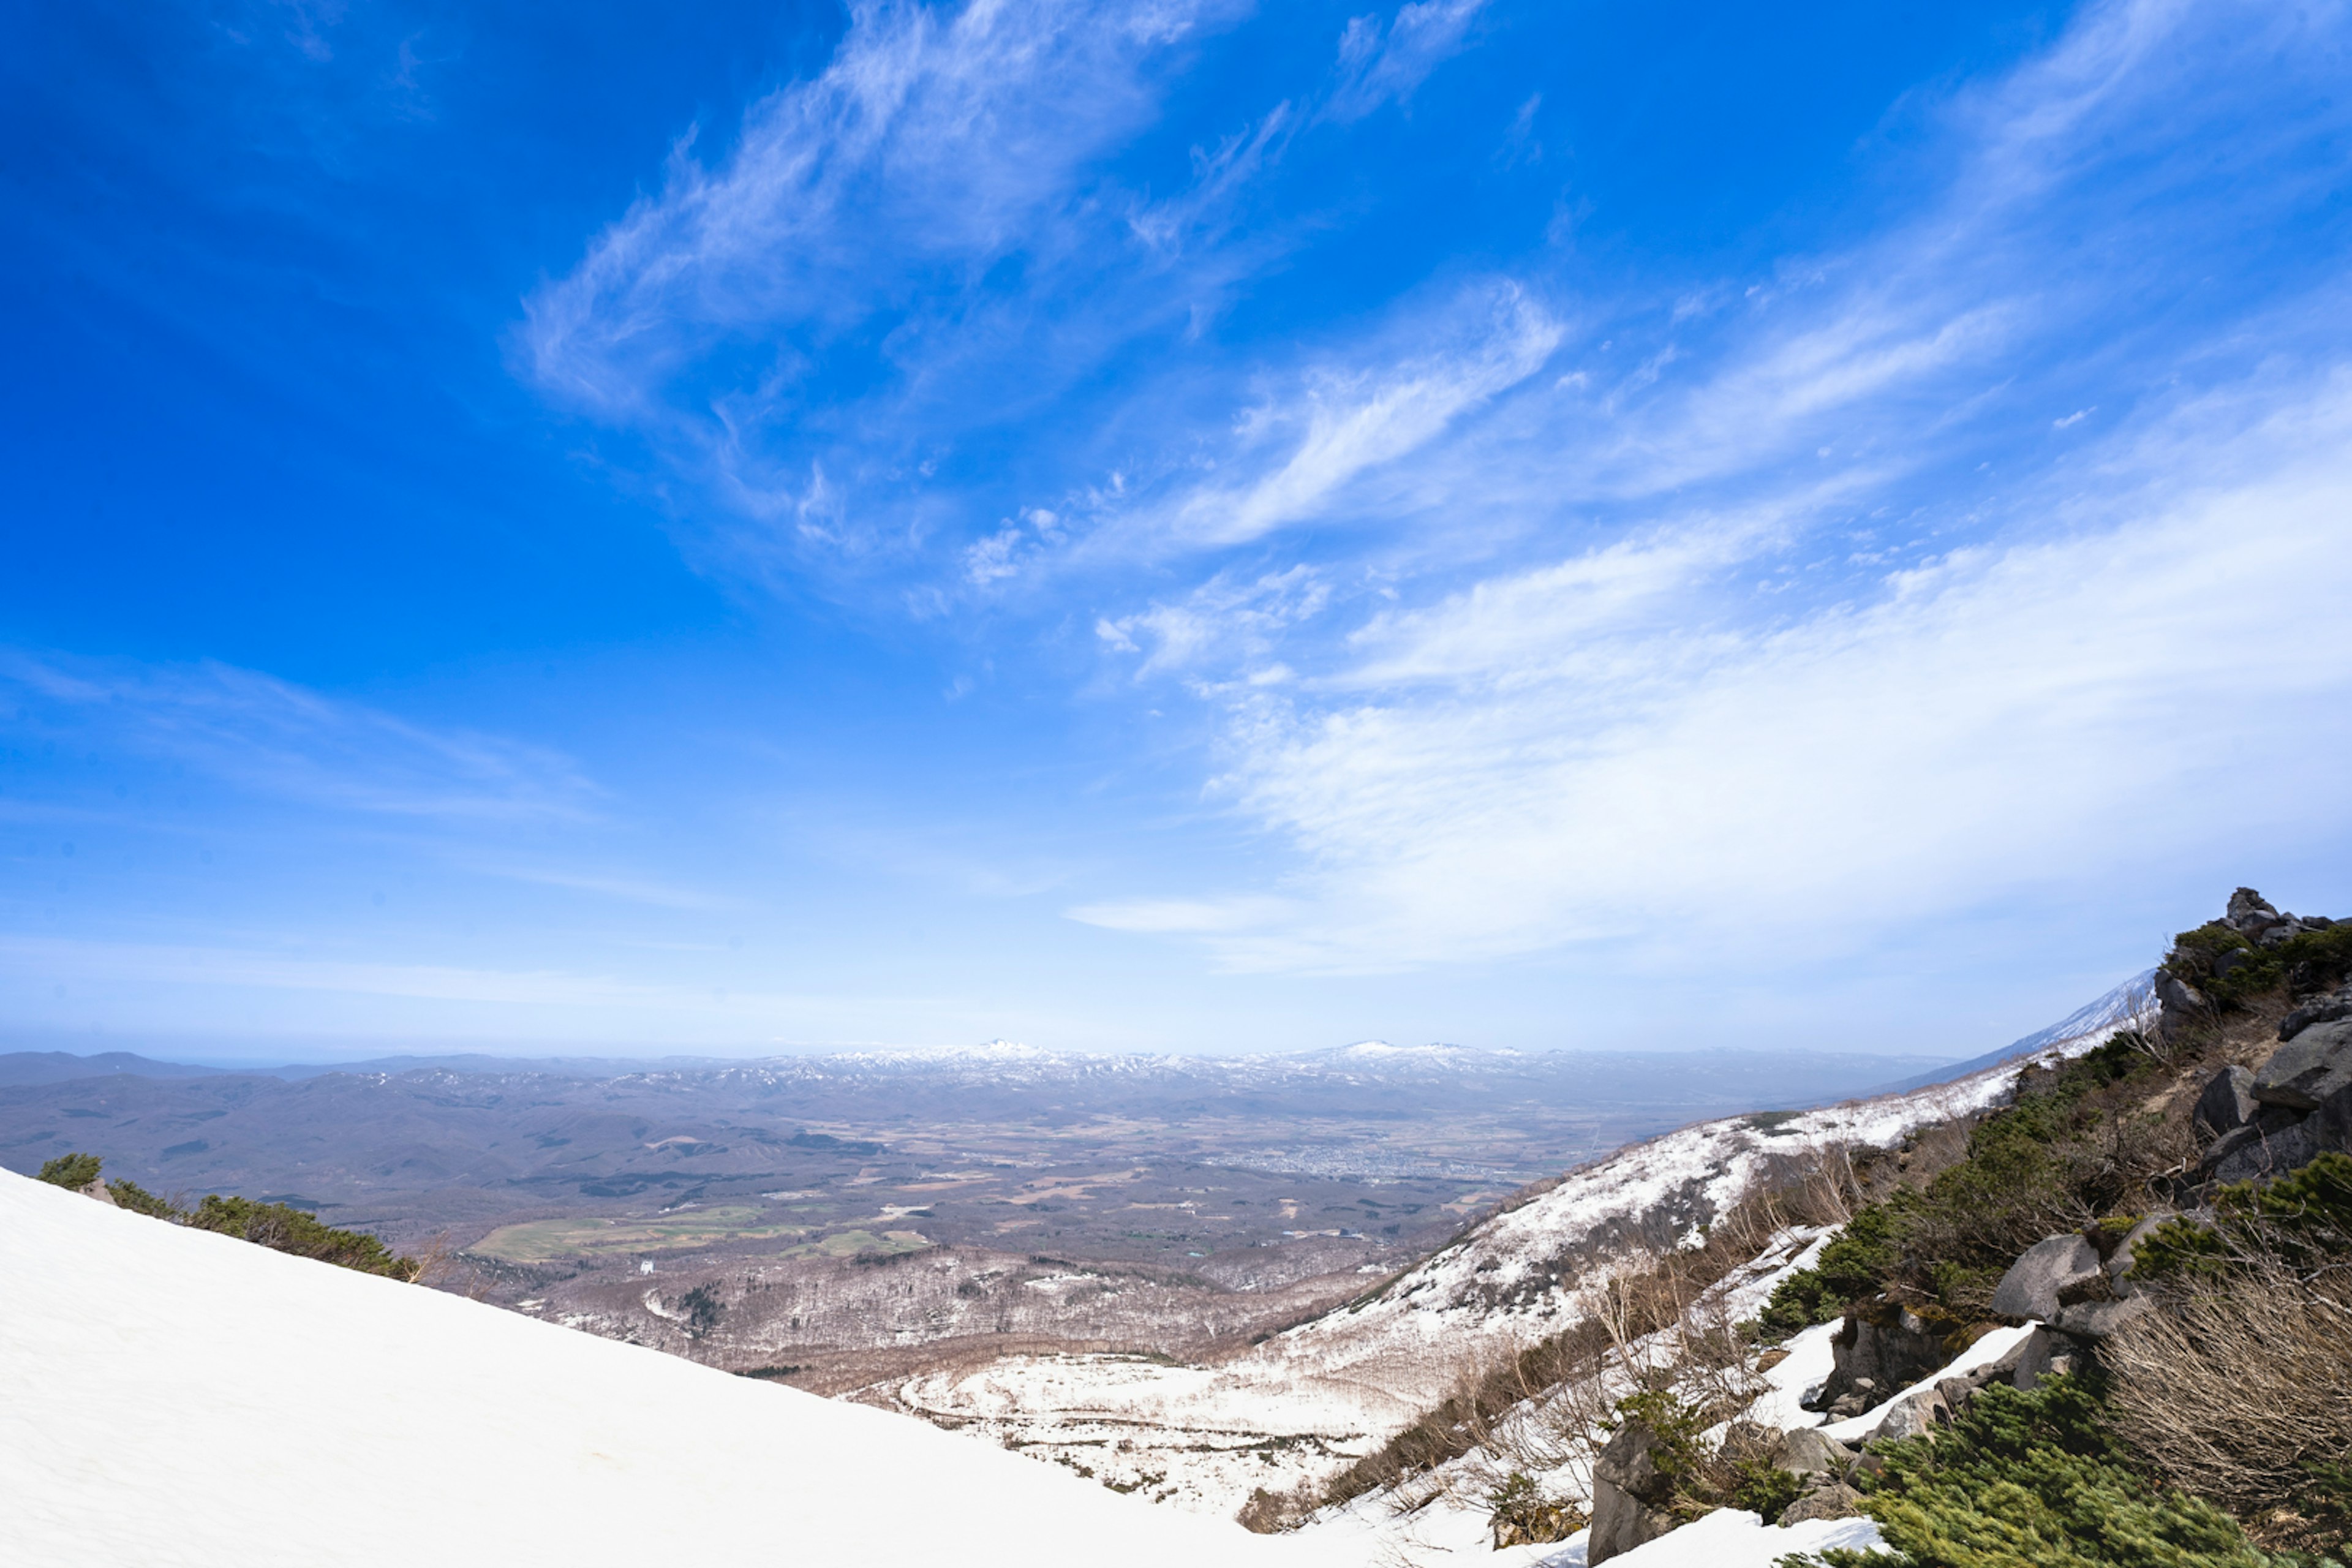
(74, 1171)
(129, 1195)
(2034, 1480)
(1798, 1302)
(285, 1229)
(2194, 954)
(2300, 1220)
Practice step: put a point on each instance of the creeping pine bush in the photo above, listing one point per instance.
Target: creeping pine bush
(287, 1229)
(75, 1171)
(276, 1226)
(2033, 1480)
(2301, 1220)
(1799, 1301)
(131, 1195)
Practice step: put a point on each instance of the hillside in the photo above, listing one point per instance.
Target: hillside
(2099, 1322)
(1311, 1399)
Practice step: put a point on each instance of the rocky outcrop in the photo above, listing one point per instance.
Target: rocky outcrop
(2308, 1070)
(2047, 1276)
(2046, 1352)
(2327, 1009)
(1628, 1494)
(1835, 1501)
(2295, 1106)
(2227, 1102)
(2276, 1117)
(2255, 918)
(1874, 1354)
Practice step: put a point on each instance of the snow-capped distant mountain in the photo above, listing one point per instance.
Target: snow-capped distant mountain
(2130, 1006)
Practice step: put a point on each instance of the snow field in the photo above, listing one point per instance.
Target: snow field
(180, 1398)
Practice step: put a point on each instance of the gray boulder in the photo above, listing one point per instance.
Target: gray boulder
(2318, 1010)
(2311, 1068)
(1836, 1500)
(2267, 1152)
(2049, 1269)
(2228, 1102)
(1808, 1450)
(2047, 1353)
(2098, 1319)
(1629, 1495)
(1913, 1415)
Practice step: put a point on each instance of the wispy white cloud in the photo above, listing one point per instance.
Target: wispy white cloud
(2013, 717)
(279, 739)
(936, 144)
(1381, 64)
(627, 890)
(1704, 641)
(1224, 617)
(1299, 446)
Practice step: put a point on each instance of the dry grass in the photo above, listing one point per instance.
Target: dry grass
(2239, 1389)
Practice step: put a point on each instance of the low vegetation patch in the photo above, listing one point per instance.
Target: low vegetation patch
(2231, 971)
(2034, 1480)
(277, 1227)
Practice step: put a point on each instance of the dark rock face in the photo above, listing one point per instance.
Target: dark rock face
(2179, 1003)
(2266, 1153)
(2045, 1353)
(2228, 1102)
(1629, 1495)
(1873, 1360)
(2048, 1273)
(2327, 1009)
(2308, 1070)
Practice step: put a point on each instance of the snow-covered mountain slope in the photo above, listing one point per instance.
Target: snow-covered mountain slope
(1293, 1407)
(178, 1397)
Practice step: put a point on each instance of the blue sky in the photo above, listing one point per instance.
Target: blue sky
(1171, 526)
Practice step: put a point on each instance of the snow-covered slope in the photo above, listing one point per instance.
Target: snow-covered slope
(177, 1397)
